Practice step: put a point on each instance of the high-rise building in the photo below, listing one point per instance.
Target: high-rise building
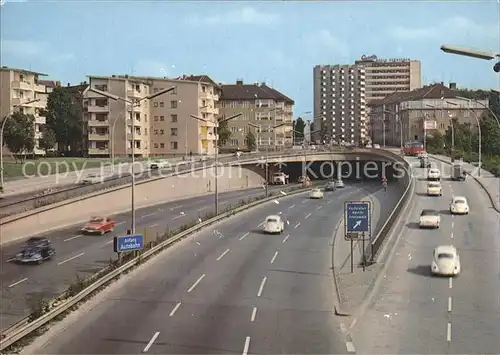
(339, 103)
(262, 108)
(17, 88)
(162, 126)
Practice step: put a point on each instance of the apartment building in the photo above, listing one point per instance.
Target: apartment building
(402, 115)
(161, 125)
(340, 103)
(17, 88)
(262, 108)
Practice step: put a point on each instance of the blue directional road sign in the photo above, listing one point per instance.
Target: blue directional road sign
(357, 216)
(128, 243)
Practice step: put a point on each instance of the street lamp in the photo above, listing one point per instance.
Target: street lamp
(469, 52)
(217, 123)
(133, 103)
(1, 135)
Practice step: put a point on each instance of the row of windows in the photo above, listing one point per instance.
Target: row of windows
(173, 145)
(173, 104)
(173, 118)
(173, 132)
(389, 71)
(374, 78)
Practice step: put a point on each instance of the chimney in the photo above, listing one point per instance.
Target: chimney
(453, 86)
(239, 82)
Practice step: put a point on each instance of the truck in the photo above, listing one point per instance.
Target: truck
(280, 179)
(457, 172)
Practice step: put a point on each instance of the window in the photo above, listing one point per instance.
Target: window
(156, 132)
(162, 104)
(203, 88)
(156, 118)
(173, 145)
(102, 87)
(173, 104)
(173, 118)
(155, 104)
(173, 131)
(162, 118)
(174, 91)
(156, 145)
(162, 145)
(234, 142)
(145, 131)
(162, 131)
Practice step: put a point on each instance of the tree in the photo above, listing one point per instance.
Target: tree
(298, 128)
(48, 140)
(64, 118)
(19, 133)
(251, 142)
(223, 132)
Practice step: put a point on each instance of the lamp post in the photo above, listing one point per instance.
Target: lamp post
(469, 52)
(1, 136)
(133, 103)
(112, 139)
(216, 152)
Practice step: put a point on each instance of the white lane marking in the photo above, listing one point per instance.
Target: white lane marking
(452, 224)
(260, 225)
(350, 347)
(151, 342)
(286, 238)
(175, 309)
(261, 288)
(152, 226)
(118, 223)
(244, 235)
(451, 235)
(274, 257)
(73, 257)
(254, 313)
(292, 206)
(449, 304)
(222, 255)
(18, 282)
(319, 207)
(305, 201)
(196, 283)
(148, 215)
(223, 202)
(448, 333)
(179, 216)
(450, 282)
(71, 238)
(109, 242)
(330, 201)
(247, 345)
(201, 209)
(309, 215)
(298, 224)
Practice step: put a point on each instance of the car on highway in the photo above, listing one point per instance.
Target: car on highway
(433, 174)
(445, 261)
(376, 146)
(459, 205)
(330, 186)
(434, 188)
(158, 164)
(339, 183)
(36, 250)
(422, 155)
(316, 194)
(273, 224)
(99, 225)
(91, 179)
(429, 219)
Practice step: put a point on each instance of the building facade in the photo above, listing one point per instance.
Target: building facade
(340, 103)
(17, 88)
(162, 125)
(261, 108)
(403, 115)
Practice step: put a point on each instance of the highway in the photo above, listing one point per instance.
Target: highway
(228, 289)
(83, 255)
(414, 313)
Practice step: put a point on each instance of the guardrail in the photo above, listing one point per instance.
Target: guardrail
(22, 329)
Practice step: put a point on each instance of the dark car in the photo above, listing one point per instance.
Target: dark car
(36, 250)
(330, 186)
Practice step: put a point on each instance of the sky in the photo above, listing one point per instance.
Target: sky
(277, 42)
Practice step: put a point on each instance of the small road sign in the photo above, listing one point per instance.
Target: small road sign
(128, 243)
(357, 216)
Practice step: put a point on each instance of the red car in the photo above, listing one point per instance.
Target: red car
(99, 225)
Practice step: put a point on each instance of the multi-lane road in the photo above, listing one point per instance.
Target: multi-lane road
(227, 289)
(414, 313)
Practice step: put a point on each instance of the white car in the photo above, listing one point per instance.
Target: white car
(429, 219)
(422, 155)
(445, 261)
(433, 174)
(158, 164)
(434, 188)
(459, 205)
(91, 179)
(339, 183)
(273, 224)
(376, 146)
(316, 193)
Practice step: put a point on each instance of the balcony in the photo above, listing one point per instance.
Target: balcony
(135, 94)
(208, 96)
(98, 123)
(98, 137)
(22, 85)
(98, 109)
(211, 110)
(38, 104)
(207, 137)
(39, 88)
(98, 151)
(40, 120)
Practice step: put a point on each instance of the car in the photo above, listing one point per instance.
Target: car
(434, 188)
(422, 155)
(339, 183)
(376, 146)
(36, 250)
(99, 225)
(445, 261)
(433, 174)
(273, 224)
(316, 194)
(459, 205)
(158, 164)
(330, 186)
(429, 219)
(91, 179)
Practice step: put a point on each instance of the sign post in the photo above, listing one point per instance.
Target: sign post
(357, 223)
(128, 243)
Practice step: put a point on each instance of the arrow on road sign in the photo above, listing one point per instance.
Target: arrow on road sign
(358, 223)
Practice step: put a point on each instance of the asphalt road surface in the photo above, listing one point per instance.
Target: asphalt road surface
(84, 255)
(414, 313)
(229, 289)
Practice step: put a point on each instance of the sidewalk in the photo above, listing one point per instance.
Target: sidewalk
(489, 183)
